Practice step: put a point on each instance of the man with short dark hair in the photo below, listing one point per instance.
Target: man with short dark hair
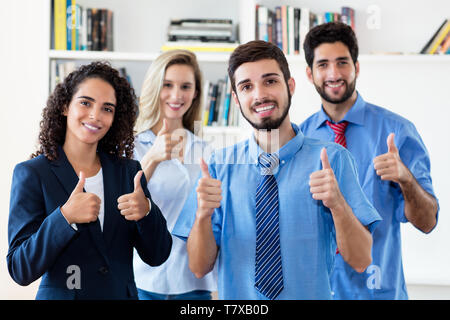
(392, 161)
(274, 208)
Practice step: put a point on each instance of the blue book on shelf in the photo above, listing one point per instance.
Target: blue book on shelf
(226, 103)
(212, 106)
(69, 24)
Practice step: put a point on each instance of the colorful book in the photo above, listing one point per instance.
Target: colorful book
(59, 24)
(429, 43)
(439, 38)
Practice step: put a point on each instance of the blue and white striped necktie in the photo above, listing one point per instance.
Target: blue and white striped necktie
(268, 269)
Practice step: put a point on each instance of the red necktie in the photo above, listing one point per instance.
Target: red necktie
(339, 138)
(339, 131)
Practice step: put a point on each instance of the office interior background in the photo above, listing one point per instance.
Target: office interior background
(393, 75)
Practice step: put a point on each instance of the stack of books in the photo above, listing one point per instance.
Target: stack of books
(287, 26)
(78, 28)
(440, 41)
(201, 35)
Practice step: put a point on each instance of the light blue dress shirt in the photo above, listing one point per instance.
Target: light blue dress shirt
(307, 234)
(170, 185)
(366, 136)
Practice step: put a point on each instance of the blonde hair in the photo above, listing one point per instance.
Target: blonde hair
(149, 108)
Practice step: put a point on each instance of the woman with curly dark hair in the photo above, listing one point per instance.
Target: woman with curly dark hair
(79, 232)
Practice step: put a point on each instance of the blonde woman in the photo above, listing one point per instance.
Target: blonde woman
(168, 151)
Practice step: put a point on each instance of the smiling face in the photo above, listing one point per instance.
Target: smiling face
(262, 93)
(333, 72)
(90, 113)
(177, 92)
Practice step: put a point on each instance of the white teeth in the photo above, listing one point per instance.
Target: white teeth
(334, 85)
(90, 127)
(264, 108)
(176, 106)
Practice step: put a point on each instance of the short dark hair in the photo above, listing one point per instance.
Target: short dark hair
(329, 33)
(119, 140)
(254, 51)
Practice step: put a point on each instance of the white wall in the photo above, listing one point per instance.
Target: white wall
(22, 97)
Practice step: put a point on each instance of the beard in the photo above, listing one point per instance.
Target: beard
(268, 123)
(350, 88)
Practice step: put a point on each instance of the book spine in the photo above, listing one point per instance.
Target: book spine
(59, 24)
(279, 28)
(296, 31)
(74, 25)
(110, 31)
(226, 108)
(291, 31)
(78, 32)
(284, 29)
(445, 45)
(84, 29)
(212, 106)
(89, 29)
(439, 38)
(207, 103)
(69, 24)
(262, 23)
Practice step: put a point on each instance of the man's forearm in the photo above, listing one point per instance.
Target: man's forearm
(201, 247)
(354, 241)
(420, 206)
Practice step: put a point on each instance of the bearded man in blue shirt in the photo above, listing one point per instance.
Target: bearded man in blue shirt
(273, 209)
(392, 161)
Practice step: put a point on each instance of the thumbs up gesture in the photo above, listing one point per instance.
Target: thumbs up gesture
(209, 193)
(323, 184)
(389, 166)
(134, 206)
(81, 207)
(164, 146)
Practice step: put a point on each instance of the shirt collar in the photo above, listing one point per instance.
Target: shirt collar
(285, 152)
(354, 115)
(146, 136)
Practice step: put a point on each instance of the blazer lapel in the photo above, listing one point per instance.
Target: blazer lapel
(69, 179)
(112, 179)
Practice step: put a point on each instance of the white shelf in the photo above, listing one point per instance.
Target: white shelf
(421, 58)
(127, 56)
(223, 57)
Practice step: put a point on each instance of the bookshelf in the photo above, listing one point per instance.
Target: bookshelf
(137, 55)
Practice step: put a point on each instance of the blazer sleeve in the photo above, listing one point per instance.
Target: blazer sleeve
(36, 237)
(153, 241)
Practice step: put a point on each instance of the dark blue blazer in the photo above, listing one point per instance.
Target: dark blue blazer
(83, 264)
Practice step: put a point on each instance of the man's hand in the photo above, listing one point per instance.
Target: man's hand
(324, 186)
(134, 206)
(209, 193)
(389, 166)
(81, 207)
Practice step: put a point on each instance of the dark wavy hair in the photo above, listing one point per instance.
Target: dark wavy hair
(254, 51)
(329, 33)
(119, 140)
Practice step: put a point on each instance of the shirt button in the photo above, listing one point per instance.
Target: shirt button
(103, 270)
(282, 161)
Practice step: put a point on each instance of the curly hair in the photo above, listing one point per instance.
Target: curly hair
(119, 140)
